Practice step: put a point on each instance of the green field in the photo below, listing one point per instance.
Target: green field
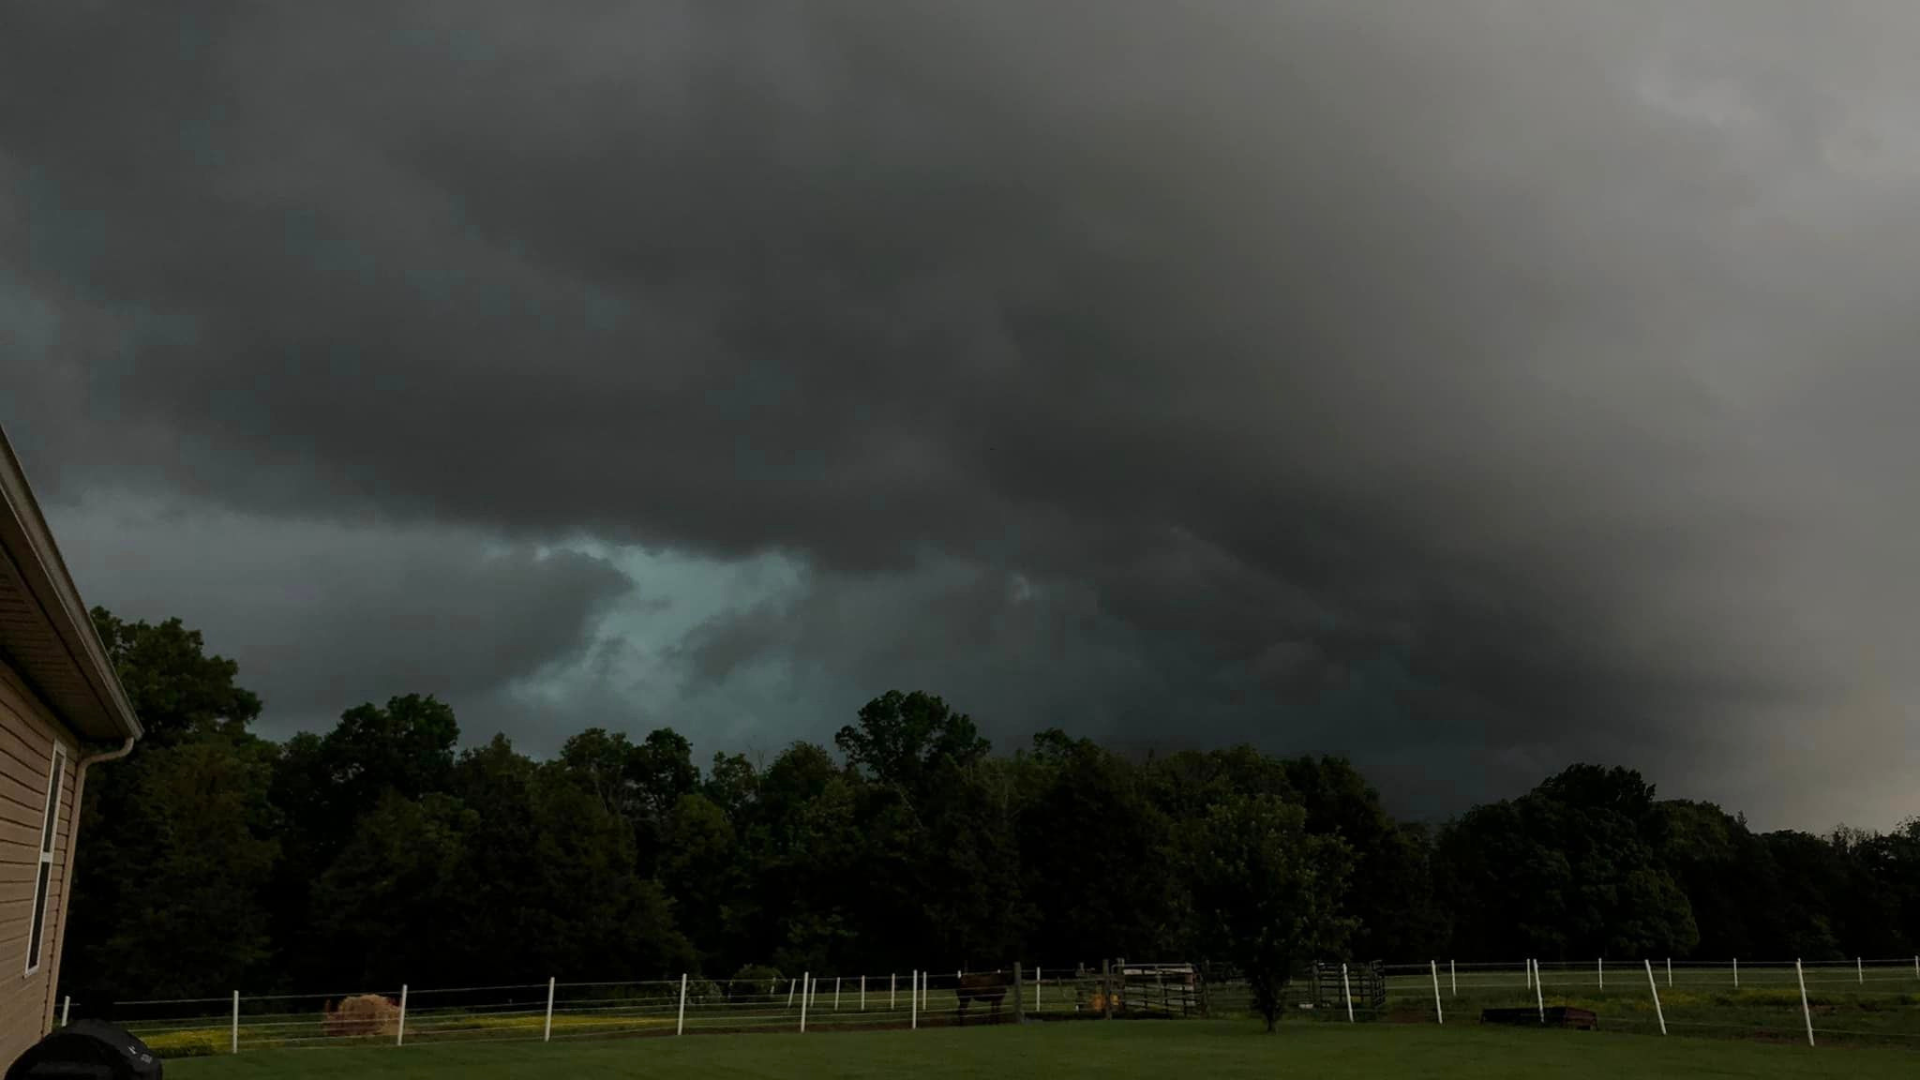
(1093, 1050)
(1884, 1007)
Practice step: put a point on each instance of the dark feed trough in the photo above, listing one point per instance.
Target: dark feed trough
(1559, 1016)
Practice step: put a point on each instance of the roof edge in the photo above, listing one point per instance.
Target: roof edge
(50, 581)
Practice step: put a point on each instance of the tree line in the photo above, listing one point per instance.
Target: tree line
(381, 852)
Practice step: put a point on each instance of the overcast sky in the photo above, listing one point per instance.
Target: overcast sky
(1466, 387)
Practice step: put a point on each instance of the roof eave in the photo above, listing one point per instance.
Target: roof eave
(29, 543)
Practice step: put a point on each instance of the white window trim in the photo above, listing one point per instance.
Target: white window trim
(49, 840)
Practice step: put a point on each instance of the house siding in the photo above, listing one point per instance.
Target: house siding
(28, 734)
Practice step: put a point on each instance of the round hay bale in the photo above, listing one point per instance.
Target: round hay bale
(363, 1014)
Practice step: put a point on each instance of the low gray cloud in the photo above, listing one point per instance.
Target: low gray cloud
(1465, 387)
(322, 616)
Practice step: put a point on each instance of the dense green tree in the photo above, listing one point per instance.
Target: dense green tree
(703, 871)
(1895, 860)
(408, 747)
(602, 763)
(1721, 866)
(1266, 894)
(638, 783)
(378, 852)
(173, 903)
(397, 901)
(808, 867)
(969, 862)
(1391, 896)
(175, 686)
(732, 784)
(1093, 855)
(181, 836)
(583, 904)
(1805, 900)
(664, 771)
(1571, 869)
(909, 742)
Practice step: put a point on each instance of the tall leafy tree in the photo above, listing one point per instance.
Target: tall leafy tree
(732, 784)
(399, 898)
(1267, 894)
(173, 906)
(378, 852)
(407, 747)
(704, 872)
(1094, 854)
(1571, 869)
(908, 741)
(175, 686)
(179, 838)
(1391, 896)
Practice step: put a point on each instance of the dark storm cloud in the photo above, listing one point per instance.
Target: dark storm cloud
(1465, 386)
(322, 617)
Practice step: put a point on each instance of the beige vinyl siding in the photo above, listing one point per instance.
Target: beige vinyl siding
(27, 739)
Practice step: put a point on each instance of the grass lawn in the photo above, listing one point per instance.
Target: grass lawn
(1093, 1050)
(1765, 1008)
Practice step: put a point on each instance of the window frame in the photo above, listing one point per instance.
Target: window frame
(43, 876)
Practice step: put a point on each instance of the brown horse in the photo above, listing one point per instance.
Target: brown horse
(987, 987)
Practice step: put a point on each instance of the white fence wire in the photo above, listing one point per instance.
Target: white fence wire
(1860, 1000)
(555, 1010)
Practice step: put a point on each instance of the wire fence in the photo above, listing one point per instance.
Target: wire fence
(554, 1010)
(1859, 1001)
(1855, 1001)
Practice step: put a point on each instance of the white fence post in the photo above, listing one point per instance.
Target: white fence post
(1539, 992)
(1736, 973)
(1600, 971)
(791, 983)
(836, 993)
(400, 1031)
(66, 1006)
(548, 1036)
(806, 984)
(236, 1021)
(1348, 987)
(913, 1000)
(1804, 1010)
(1860, 969)
(1669, 971)
(1438, 1016)
(1529, 967)
(893, 991)
(1655, 987)
(680, 1026)
(863, 993)
(1453, 981)
(1037, 981)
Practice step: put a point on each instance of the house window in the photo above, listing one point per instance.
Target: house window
(48, 826)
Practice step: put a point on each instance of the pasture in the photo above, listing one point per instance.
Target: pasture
(1092, 1050)
(1849, 1004)
(577, 1011)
